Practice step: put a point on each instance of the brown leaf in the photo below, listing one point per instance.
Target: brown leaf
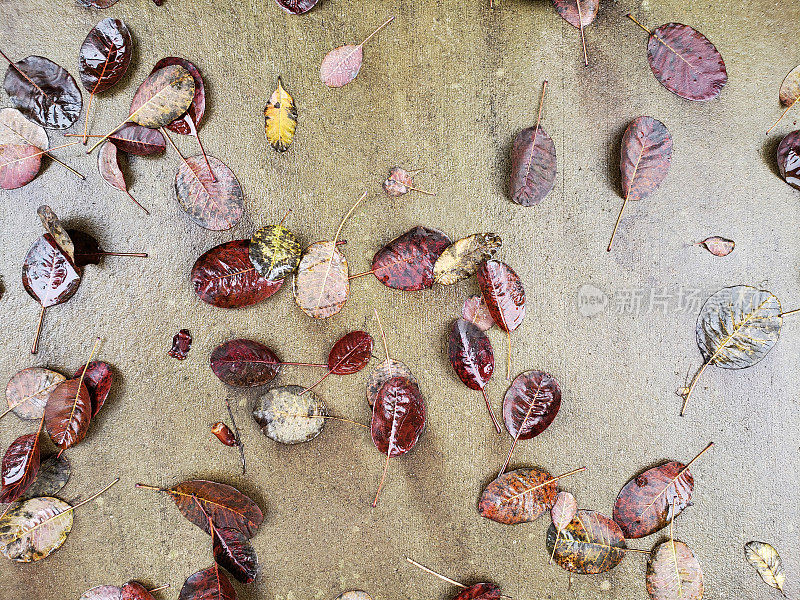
(673, 573)
(44, 92)
(533, 166)
(244, 363)
(592, 543)
(506, 500)
(208, 584)
(21, 464)
(575, 16)
(406, 263)
(163, 97)
(215, 205)
(28, 390)
(321, 286)
(68, 413)
(225, 506)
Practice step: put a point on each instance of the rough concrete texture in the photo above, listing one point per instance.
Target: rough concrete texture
(445, 87)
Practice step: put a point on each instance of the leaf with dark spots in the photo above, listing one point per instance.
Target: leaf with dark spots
(470, 353)
(718, 246)
(28, 390)
(351, 353)
(181, 343)
(290, 414)
(34, 529)
(406, 263)
(138, 141)
(105, 55)
(479, 591)
(476, 312)
(133, 590)
(208, 584)
(767, 562)
(197, 108)
(19, 165)
(297, 7)
(275, 252)
(68, 413)
(44, 92)
(322, 286)
(533, 166)
(592, 543)
(54, 473)
(578, 13)
(673, 572)
(225, 277)
(462, 258)
(234, 552)
(518, 496)
(21, 464)
(531, 403)
(163, 97)
(214, 201)
(98, 380)
(503, 292)
(280, 118)
(244, 363)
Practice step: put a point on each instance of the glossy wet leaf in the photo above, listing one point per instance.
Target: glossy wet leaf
(98, 379)
(96, 3)
(321, 286)
(48, 275)
(208, 584)
(406, 263)
(20, 466)
(15, 128)
(398, 417)
(535, 395)
(649, 501)
(109, 167)
(592, 543)
(137, 140)
(28, 390)
(646, 157)
(215, 205)
(564, 510)
(569, 11)
(341, 65)
(297, 7)
(470, 352)
(57, 231)
(234, 552)
(68, 413)
(506, 500)
(244, 363)
(533, 166)
(280, 116)
(33, 529)
(19, 165)
(767, 563)
(225, 277)
(476, 312)
(462, 258)
(133, 590)
(479, 591)
(44, 92)
(87, 249)
(181, 344)
(223, 504)
(275, 252)
(673, 573)
(290, 414)
(718, 246)
(53, 475)
(187, 123)
(105, 55)
(789, 159)
(163, 97)
(385, 371)
(351, 353)
(224, 434)
(503, 293)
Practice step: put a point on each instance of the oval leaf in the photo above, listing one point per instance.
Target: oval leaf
(19, 165)
(321, 286)
(297, 7)
(564, 510)
(68, 413)
(53, 475)
(398, 417)
(28, 390)
(673, 573)
(290, 414)
(470, 352)
(503, 293)
(234, 552)
(225, 277)
(280, 114)
(105, 55)
(163, 97)
(208, 584)
(476, 312)
(34, 529)
(592, 543)
(187, 124)
(767, 562)
(98, 380)
(244, 363)
(406, 263)
(518, 496)
(223, 504)
(575, 16)
(462, 259)
(48, 275)
(215, 205)
(21, 464)
(341, 65)
(385, 371)
(137, 140)
(351, 353)
(533, 166)
(15, 128)
(646, 156)
(718, 246)
(44, 92)
(275, 252)
(530, 404)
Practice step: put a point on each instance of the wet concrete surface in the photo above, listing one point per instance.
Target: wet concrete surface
(445, 87)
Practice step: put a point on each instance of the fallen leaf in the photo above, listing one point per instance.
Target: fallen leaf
(789, 159)
(275, 252)
(788, 93)
(48, 275)
(234, 552)
(138, 141)
(68, 413)
(321, 286)
(108, 164)
(20, 467)
(519, 496)
(15, 128)
(181, 343)
(673, 573)
(297, 7)
(503, 293)
(767, 563)
(213, 201)
(476, 312)
(578, 13)
(44, 92)
(385, 371)
(290, 414)
(19, 165)
(592, 543)
(462, 258)
(406, 263)
(398, 183)
(280, 114)
(533, 166)
(187, 123)
(33, 529)
(53, 226)
(350, 353)
(164, 96)
(133, 590)
(341, 65)
(564, 510)
(472, 358)
(208, 584)
(28, 390)
(479, 591)
(53, 475)
(244, 363)
(531, 404)
(103, 592)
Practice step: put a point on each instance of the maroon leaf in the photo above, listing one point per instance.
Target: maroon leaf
(105, 55)
(533, 166)
(686, 63)
(503, 293)
(208, 584)
(479, 591)
(225, 277)
(198, 106)
(44, 92)
(406, 263)
(789, 159)
(519, 496)
(351, 353)
(297, 7)
(98, 381)
(470, 352)
(20, 466)
(68, 413)
(19, 165)
(87, 249)
(137, 140)
(181, 343)
(110, 168)
(234, 552)
(48, 275)
(244, 363)
(531, 404)
(133, 590)
(575, 15)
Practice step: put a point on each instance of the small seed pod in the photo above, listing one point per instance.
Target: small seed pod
(224, 434)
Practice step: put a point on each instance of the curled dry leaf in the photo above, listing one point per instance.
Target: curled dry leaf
(398, 183)
(33, 529)
(53, 226)
(275, 252)
(578, 13)
(476, 312)
(280, 114)
(244, 363)
(19, 165)
(385, 371)
(479, 591)
(181, 343)
(225, 277)
(105, 55)
(718, 246)
(592, 543)
(163, 97)
(20, 466)
(44, 92)
(531, 404)
(462, 258)
(290, 414)
(215, 200)
(138, 141)
(297, 7)
(224, 434)
(407, 262)
(108, 163)
(68, 413)
(234, 552)
(321, 286)
(187, 123)
(506, 500)
(208, 584)
(28, 390)
(789, 93)
(673, 573)
(533, 166)
(48, 275)
(563, 510)
(503, 293)
(767, 563)
(53, 475)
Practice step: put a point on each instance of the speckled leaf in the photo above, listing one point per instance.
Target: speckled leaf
(506, 500)
(53, 475)
(275, 252)
(789, 91)
(646, 157)
(223, 504)
(503, 294)
(98, 380)
(297, 7)
(767, 563)
(479, 591)
(225, 277)
(385, 371)
(19, 165)
(105, 55)
(341, 65)
(208, 584)
(280, 117)
(470, 353)
(462, 258)
(163, 97)
(215, 205)
(53, 226)
(592, 543)
(33, 529)
(476, 312)
(686, 63)
(535, 395)
(649, 501)
(563, 510)
(321, 286)
(103, 592)
(28, 390)
(533, 166)
(48, 275)
(188, 123)
(68, 413)
(673, 573)
(15, 128)
(718, 246)
(569, 11)
(290, 414)
(406, 263)
(234, 552)
(244, 363)
(137, 140)
(21, 464)
(789, 159)
(350, 353)
(44, 92)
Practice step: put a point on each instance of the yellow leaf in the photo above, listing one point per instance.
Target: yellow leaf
(766, 560)
(280, 119)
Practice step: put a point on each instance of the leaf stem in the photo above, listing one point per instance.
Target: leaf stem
(384, 24)
(789, 312)
(783, 114)
(435, 574)
(21, 72)
(383, 479)
(491, 412)
(686, 392)
(632, 18)
(35, 346)
(383, 334)
(544, 483)
(136, 202)
(16, 160)
(93, 496)
(616, 225)
(585, 63)
(237, 435)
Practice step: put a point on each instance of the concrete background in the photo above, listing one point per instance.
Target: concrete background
(445, 87)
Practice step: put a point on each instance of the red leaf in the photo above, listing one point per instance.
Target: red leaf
(234, 552)
(297, 7)
(98, 380)
(470, 352)
(208, 584)
(181, 343)
(133, 590)
(244, 363)
(503, 293)
(406, 263)
(224, 505)
(480, 591)
(646, 157)
(19, 165)
(351, 353)
(105, 55)
(68, 413)
(398, 417)
(20, 466)
(535, 394)
(137, 140)
(533, 166)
